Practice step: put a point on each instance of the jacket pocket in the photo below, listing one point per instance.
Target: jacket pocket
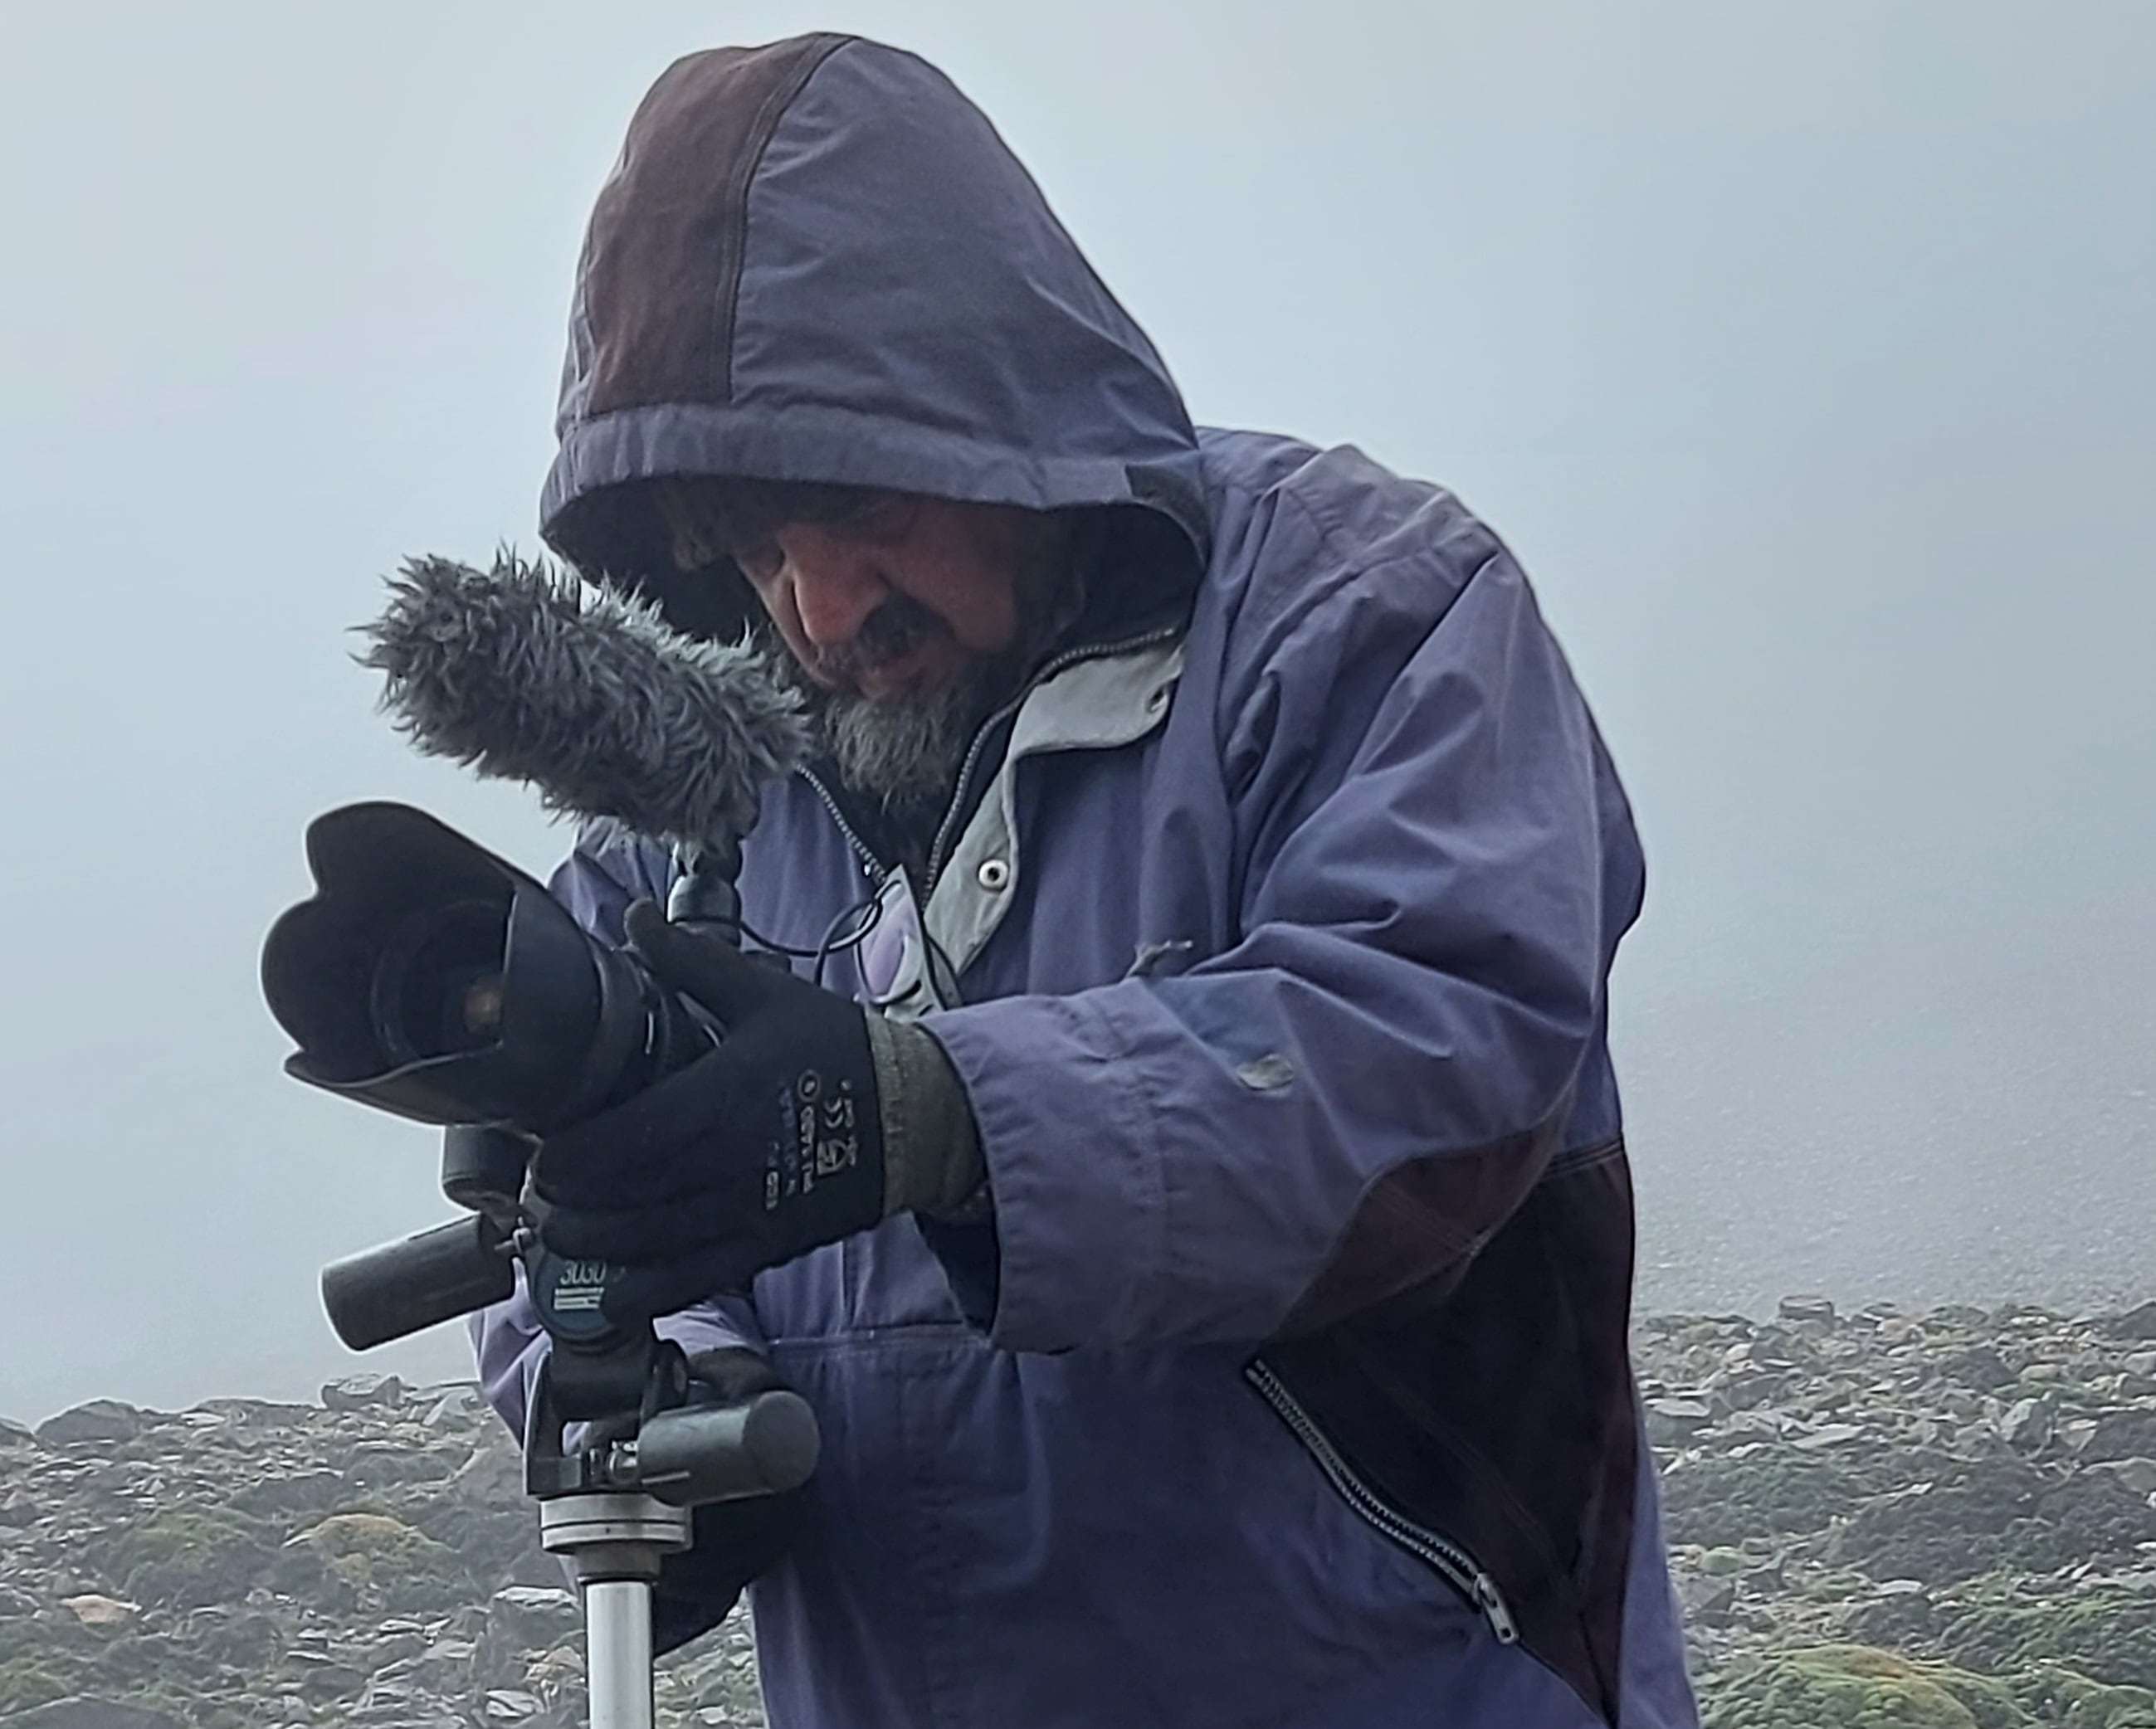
(1451, 1563)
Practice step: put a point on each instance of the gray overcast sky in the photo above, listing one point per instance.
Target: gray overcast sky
(1804, 353)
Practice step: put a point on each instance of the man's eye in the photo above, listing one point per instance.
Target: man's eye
(877, 515)
(760, 561)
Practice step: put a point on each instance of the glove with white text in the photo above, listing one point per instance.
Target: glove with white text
(811, 1120)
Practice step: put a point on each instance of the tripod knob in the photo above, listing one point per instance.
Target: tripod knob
(695, 1454)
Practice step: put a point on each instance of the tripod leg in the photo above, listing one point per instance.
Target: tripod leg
(614, 1544)
(617, 1653)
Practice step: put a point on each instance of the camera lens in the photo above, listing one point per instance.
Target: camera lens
(438, 990)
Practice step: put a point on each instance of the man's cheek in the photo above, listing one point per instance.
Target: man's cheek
(990, 625)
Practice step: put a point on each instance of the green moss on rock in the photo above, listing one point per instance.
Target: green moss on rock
(1982, 1516)
(2106, 1632)
(1721, 1501)
(367, 1559)
(1855, 1687)
(2056, 1695)
(188, 1557)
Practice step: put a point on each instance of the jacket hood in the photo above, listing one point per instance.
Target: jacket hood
(816, 260)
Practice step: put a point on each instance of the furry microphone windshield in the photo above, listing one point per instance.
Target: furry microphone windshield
(590, 697)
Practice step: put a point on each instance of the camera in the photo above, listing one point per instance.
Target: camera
(429, 978)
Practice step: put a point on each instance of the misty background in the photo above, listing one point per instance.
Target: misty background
(1805, 353)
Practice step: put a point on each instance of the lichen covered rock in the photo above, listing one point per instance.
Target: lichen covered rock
(1878, 1520)
(1856, 1687)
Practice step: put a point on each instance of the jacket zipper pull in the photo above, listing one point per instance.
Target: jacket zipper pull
(1492, 1603)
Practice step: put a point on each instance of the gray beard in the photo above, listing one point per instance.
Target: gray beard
(907, 754)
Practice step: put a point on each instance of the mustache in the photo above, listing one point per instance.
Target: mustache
(891, 632)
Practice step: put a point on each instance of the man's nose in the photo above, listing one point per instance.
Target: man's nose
(836, 583)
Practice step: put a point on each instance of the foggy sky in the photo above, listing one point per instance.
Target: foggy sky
(1804, 354)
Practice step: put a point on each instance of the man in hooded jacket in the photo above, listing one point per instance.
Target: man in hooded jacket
(1204, 1232)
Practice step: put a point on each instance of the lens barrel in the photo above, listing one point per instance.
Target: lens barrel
(429, 978)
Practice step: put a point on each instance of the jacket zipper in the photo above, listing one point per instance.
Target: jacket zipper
(872, 867)
(1054, 665)
(1461, 1569)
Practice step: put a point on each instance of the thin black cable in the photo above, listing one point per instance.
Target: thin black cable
(870, 912)
(950, 974)
(771, 945)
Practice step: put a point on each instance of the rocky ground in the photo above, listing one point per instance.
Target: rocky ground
(1943, 1521)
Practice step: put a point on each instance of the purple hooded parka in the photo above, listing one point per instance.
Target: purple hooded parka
(1285, 1382)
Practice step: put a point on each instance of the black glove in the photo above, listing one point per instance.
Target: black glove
(768, 1145)
(735, 1541)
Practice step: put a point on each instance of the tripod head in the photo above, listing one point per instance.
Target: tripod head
(646, 1431)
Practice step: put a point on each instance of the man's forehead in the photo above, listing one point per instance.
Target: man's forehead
(745, 506)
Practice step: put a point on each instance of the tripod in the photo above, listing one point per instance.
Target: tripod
(442, 935)
(620, 1443)
(616, 1504)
